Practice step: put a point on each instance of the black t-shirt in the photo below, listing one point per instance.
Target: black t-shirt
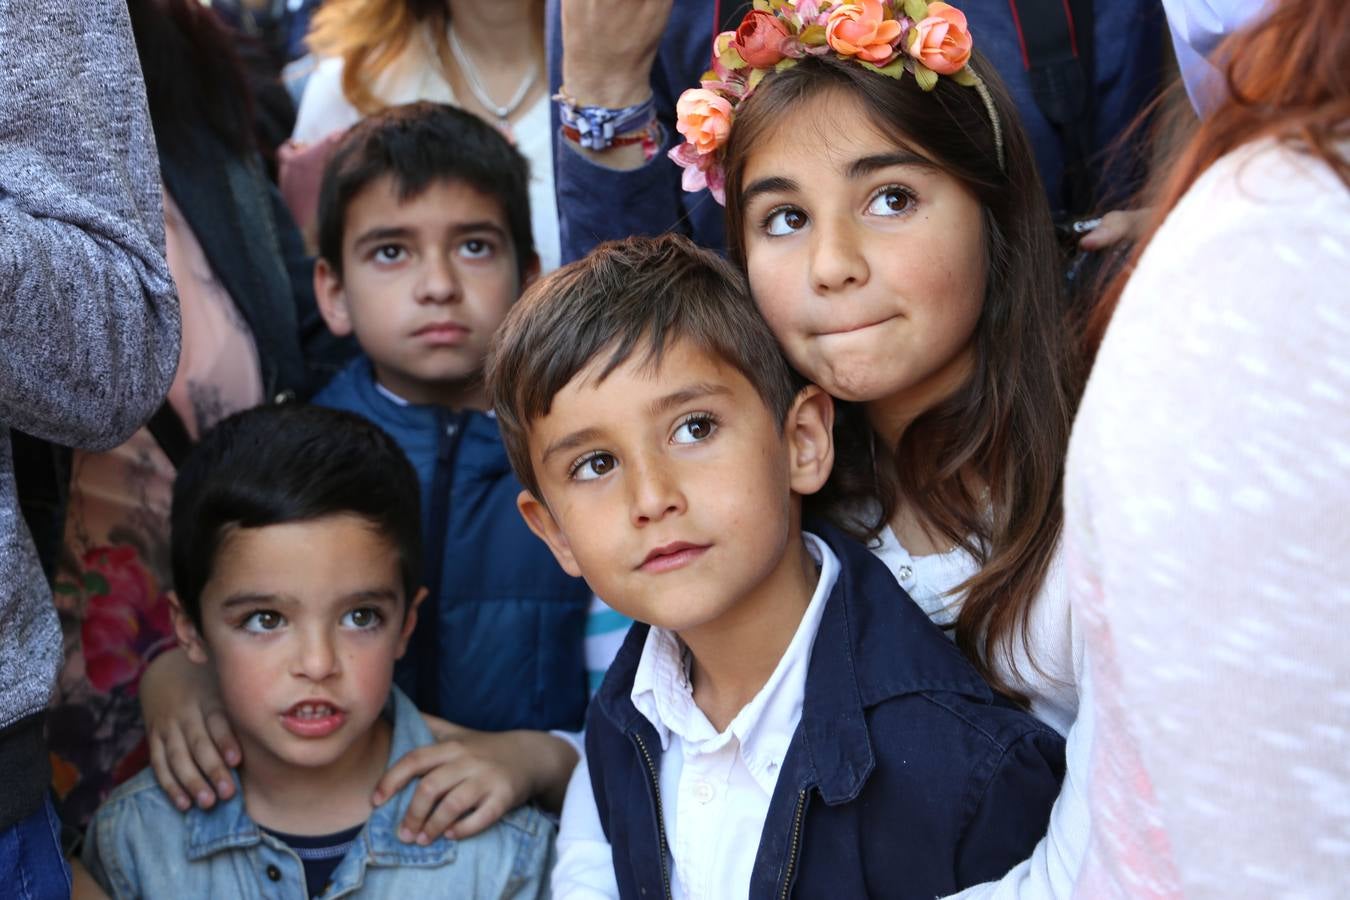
(320, 854)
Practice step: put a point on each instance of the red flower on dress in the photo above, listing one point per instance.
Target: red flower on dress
(126, 618)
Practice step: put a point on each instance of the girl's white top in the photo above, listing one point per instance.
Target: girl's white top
(1207, 546)
(417, 75)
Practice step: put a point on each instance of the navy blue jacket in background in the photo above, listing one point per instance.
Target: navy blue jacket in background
(907, 776)
(500, 639)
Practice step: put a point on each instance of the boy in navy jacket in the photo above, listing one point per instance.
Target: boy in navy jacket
(786, 719)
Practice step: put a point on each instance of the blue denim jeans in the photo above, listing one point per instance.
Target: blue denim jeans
(32, 866)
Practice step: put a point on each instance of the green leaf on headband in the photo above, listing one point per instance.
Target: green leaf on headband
(763, 5)
(756, 76)
(96, 584)
(813, 36)
(894, 70)
(916, 9)
(786, 62)
(731, 59)
(711, 75)
(925, 76)
(966, 77)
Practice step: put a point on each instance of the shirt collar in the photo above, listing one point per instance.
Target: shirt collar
(401, 402)
(764, 726)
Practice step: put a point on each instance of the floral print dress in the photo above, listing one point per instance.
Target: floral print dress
(113, 579)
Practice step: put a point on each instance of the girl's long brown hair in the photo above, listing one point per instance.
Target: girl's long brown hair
(1008, 426)
(1288, 78)
(370, 35)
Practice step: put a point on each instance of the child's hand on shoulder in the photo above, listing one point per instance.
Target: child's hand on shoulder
(192, 747)
(470, 779)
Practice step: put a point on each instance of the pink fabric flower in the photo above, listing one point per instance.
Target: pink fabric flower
(862, 30)
(704, 119)
(759, 39)
(700, 171)
(941, 41)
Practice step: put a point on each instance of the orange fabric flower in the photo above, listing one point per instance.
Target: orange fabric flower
(759, 39)
(862, 30)
(941, 41)
(704, 118)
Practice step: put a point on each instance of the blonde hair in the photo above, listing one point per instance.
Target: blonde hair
(371, 35)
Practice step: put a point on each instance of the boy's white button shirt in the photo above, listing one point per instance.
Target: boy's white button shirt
(715, 787)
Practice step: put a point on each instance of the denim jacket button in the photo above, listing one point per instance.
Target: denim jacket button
(274, 873)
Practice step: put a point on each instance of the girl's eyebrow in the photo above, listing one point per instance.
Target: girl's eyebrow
(866, 165)
(773, 185)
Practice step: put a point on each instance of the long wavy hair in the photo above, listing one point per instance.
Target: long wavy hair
(1288, 78)
(1007, 428)
(370, 35)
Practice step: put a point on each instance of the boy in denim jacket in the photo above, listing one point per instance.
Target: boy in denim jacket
(297, 560)
(786, 721)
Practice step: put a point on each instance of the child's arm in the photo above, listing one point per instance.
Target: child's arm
(1014, 809)
(470, 779)
(585, 866)
(1052, 869)
(82, 884)
(191, 745)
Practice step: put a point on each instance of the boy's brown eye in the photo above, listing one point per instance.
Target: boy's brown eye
(694, 429)
(263, 620)
(594, 466)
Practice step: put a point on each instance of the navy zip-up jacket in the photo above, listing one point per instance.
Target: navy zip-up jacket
(906, 777)
(500, 640)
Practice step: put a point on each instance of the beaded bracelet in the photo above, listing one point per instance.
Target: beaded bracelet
(598, 127)
(649, 137)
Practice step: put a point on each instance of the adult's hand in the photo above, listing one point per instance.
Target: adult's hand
(1121, 226)
(609, 47)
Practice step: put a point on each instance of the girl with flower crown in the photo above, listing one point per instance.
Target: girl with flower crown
(884, 201)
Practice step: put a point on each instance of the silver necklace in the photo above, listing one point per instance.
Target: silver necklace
(503, 113)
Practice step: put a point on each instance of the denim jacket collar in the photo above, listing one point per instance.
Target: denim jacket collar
(228, 826)
(846, 674)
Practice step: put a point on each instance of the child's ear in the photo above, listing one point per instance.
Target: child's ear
(542, 523)
(409, 621)
(332, 298)
(189, 638)
(810, 438)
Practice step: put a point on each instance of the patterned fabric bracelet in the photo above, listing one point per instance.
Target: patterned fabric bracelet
(649, 137)
(598, 127)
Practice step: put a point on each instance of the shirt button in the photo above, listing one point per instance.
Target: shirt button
(905, 573)
(274, 873)
(703, 792)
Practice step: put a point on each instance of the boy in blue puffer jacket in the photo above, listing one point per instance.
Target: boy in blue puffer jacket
(425, 244)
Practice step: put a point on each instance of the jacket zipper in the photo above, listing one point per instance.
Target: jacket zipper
(660, 816)
(796, 842)
(451, 427)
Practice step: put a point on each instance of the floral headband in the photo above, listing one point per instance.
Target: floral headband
(889, 38)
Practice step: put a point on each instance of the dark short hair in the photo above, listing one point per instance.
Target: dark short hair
(640, 292)
(272, 465)
(419, 144)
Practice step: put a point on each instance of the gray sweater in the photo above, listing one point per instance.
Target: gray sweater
(88, 313)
